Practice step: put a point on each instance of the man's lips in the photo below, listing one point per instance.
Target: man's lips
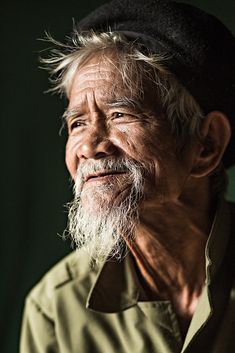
(102, 174)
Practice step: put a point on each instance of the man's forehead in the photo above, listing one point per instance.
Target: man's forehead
(96, 72)
(98, 66)
(99, 78)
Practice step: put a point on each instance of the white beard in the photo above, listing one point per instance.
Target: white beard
(94, 222)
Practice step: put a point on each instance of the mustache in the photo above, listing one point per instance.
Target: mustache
(102, 166)
(111, 165)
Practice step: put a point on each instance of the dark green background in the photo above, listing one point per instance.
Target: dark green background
(35, 183)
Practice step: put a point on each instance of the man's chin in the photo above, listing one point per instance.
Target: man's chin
(106, 197)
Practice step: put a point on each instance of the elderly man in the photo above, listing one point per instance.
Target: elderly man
(150, 119)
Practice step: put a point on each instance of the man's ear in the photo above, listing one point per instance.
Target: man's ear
(215, 134)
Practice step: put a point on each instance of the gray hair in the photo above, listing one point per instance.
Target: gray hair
(182, 112)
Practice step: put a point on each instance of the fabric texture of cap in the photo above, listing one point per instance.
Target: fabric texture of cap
(201, 50)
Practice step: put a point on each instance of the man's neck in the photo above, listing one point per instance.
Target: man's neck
(169, 250)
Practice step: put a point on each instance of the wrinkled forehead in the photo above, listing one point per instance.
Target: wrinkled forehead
(106, 70)
(96, 69)
(99, 78)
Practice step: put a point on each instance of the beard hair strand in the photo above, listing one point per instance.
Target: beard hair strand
(103, 232)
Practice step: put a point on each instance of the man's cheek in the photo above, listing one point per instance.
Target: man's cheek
(71, 159)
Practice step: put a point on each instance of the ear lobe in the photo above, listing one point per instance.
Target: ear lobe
(215, 135)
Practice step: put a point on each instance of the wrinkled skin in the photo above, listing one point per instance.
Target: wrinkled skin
(176, 215)
(96, 130)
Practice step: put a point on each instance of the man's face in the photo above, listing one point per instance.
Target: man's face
(121, 156)
(106, 121)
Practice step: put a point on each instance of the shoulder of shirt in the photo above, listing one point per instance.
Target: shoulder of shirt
(75, 267)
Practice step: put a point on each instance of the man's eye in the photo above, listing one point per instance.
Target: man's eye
(118, 115)
(124, 117)
(76, 124)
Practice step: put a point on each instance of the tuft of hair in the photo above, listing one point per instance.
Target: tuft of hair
(135, 64)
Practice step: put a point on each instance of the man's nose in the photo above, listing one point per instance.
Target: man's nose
(96, 144)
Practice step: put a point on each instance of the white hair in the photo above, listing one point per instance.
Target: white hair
(181, 110)
(136, 66)
(94, 222)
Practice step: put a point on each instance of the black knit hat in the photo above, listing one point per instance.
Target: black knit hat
(200, 48)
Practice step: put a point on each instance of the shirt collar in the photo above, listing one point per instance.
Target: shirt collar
(216, 246)
(116, 286)
(218, 240)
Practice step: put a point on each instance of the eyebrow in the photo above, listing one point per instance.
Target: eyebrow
(70, 112)
(125, 102)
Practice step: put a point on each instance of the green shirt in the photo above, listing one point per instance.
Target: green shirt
(79, 308)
